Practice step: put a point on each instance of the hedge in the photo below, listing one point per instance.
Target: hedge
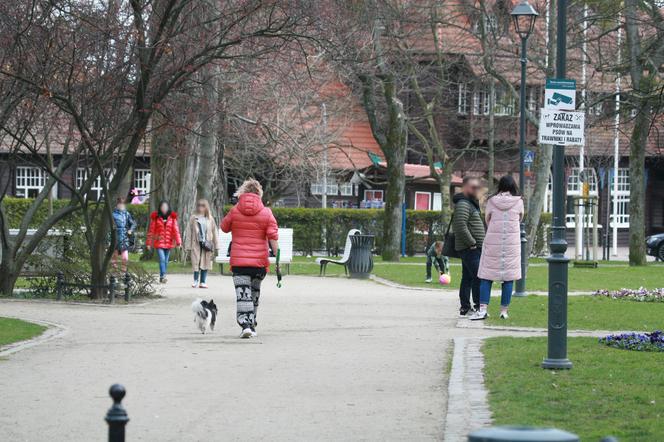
(315, 230)
(14, 209)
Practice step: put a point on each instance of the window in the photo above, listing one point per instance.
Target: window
(504, 102)
(481, 100)
(346, 189)
(437, 201)
(574, 181)
(142, 180)
(422, 201)
(96, 189)
(332, 187)
(462, 103)
(575, 188)
(29, 181)
(595, 104)
(373, 195)
(317, 188)
(533, 99)
(620, 215)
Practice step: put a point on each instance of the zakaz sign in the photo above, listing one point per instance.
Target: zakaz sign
(562, 128)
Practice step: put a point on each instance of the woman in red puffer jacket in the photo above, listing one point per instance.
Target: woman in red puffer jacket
(163, 235)
(252, 226)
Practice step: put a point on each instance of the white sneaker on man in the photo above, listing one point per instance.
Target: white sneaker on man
(428, 280)
(246, 333)
(504, 315)
(479, 315)
(194, 284)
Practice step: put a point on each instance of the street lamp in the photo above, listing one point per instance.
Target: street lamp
(524, 16)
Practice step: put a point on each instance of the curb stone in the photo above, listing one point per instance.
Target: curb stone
(52, 332)
(467, 404)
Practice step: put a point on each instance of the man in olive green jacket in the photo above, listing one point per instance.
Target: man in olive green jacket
(469, 231)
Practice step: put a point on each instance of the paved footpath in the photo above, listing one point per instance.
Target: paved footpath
(335, 360)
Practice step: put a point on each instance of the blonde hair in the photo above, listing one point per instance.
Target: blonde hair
(250, 186)
(438, 246)
(204, 202)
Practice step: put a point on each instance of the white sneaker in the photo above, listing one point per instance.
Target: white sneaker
(254, 334)
(479, 315)
(428, 280)
(246, 333)
(504, 315)
(194, 284)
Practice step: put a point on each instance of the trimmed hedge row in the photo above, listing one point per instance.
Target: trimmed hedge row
(15, 208)
(314, 229)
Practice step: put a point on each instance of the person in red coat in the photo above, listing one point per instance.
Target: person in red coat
(253, 226)
(163, 235)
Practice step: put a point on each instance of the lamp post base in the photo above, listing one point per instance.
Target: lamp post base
(557, 364)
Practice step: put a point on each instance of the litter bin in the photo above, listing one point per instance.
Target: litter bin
(521, 434)
(360, 262)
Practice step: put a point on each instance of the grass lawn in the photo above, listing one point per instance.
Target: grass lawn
(608, 392)
(14, 330)
(411, 271)
(584, 312)
(610, 277)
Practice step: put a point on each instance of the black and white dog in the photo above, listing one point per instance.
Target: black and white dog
(205, 314)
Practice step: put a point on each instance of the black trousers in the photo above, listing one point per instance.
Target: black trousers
(470, 283)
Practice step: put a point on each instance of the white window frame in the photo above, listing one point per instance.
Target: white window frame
(621, 197)
(346, 189)
(574, 189)
(428, 194)
(142, 180)
(316, 188)
(533, 99)
(30, 178)
(82, 175)
(505, 102)
(481, 100)
(462, 101)
(437, 202)
(332, 187)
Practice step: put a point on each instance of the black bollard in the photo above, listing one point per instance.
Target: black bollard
(111, 289)
(116, 417)
(127, 282)
(59, 285)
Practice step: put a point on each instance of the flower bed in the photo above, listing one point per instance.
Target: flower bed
(640, 295)
(636, 341)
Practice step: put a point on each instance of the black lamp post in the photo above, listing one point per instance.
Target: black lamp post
(524, 16)
(556, 357)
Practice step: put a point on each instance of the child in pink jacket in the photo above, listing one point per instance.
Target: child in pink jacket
(501, 252)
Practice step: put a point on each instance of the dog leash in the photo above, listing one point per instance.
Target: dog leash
(278, 269)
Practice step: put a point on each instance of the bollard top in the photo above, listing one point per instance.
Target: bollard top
(117, 392)
(521, 434)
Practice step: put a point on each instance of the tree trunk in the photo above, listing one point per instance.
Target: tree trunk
(207, 169)
(637, 188)
(542, 169)
(9, 276)
(394, 199)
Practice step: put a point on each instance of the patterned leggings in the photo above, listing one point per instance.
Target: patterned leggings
(247, 294)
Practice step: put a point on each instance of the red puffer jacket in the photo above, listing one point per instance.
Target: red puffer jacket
(252, 225)
(163, 234)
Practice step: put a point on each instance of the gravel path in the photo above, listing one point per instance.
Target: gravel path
(335, 360)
